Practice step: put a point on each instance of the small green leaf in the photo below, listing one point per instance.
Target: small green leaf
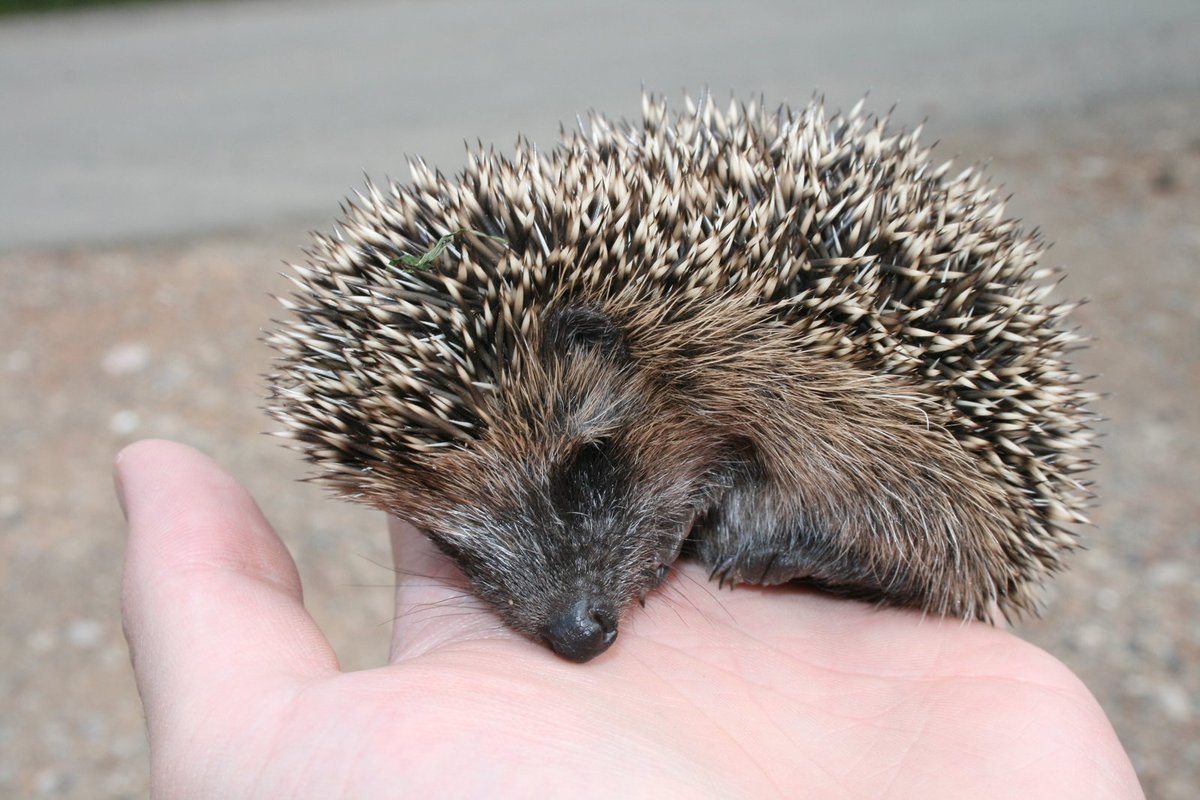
(422, 262)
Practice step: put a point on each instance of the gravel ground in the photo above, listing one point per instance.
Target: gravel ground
(101, 346)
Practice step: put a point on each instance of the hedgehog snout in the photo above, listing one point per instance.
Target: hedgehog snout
(582, 630)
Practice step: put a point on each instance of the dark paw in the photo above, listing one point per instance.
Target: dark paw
(765, 568)
(723, 571)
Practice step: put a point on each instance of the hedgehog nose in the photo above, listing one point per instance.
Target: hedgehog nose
(582, 631)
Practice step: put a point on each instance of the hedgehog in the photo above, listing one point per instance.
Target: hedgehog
(783, 343)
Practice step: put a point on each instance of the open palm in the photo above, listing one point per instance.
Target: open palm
(752, 691)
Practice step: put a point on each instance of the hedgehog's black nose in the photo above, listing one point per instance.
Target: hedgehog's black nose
(583, 631)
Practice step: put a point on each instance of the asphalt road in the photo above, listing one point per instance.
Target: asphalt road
(162, 121)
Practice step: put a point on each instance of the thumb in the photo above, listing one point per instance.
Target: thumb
(210, 592)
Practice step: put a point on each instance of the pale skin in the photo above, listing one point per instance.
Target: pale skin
(750, 692)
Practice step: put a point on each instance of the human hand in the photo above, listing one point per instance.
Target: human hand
(705, 693)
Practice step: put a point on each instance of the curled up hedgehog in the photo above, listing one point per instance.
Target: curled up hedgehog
(784, 343)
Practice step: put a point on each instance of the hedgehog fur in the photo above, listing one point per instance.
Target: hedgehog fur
(785, 343)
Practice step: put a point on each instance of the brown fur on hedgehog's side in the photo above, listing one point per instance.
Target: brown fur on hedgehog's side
(787, 338)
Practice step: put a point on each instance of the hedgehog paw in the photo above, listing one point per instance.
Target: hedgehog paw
(763, 568)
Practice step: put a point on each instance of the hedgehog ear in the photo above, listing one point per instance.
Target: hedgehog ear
(579, 329)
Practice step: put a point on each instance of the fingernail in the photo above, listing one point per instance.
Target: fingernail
(119, 484)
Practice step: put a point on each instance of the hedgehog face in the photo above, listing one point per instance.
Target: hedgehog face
(587, 492)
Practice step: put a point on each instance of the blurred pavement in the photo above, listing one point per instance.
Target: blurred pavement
(179, 119)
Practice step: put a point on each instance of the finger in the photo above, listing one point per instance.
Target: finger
(434, 602)
(210, 592)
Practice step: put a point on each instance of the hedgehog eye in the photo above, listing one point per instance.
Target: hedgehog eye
(578, 329)
(589, 477)
(592, 461)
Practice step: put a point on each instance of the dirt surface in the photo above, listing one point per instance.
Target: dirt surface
(100, 346)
